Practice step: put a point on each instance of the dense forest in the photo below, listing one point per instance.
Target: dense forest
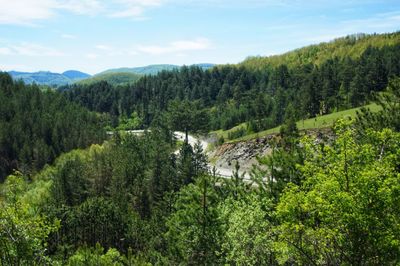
(133, 201)
(74, 196)
(36, 126)
(263, 97)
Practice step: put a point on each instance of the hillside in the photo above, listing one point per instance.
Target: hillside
(117, 78)
(75, 75)
(152, 69)
(38, 125)
(239, 133)
(229, 95)
(49, 78)
(146, 70)
(352, 46)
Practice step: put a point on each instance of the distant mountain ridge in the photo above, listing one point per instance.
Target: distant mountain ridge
(49, 78)
(152, 69)
(75, 75)
(122, 75)
(126, 75)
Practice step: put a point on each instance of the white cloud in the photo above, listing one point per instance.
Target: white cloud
(240, 3)
(381, 21)
(140, 2)
(176, 47)
(68, 36)
(20, 67)
(24, 12)
(384, 22)
(103, 47)
(133, 8)
(135, 11)
(29, 49)
(82, 7)
(5, 51)
(106, 50)
(198, 44)
(27, 12)
(92, 56)
(133, 53)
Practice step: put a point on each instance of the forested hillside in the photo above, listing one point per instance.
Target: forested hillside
(49, 78)
(133, 201)
(70, 195)
(264, 97)
(37, 126)
(352, 46)
(114, 78)
(151, 69)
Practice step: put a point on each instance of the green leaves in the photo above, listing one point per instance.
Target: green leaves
(248, 235)
(36, 126)
(194, 228)
(23, 232)
(96, 257)
(343, 212)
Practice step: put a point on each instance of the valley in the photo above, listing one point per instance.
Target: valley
(289, 159)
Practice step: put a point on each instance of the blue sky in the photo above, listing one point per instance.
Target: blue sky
(94, 35)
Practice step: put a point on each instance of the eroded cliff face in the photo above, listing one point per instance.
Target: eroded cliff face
(224, 157)
(244, 152)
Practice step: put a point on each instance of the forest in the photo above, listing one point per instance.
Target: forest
(262, 97)
(38, 125)
(71, 194)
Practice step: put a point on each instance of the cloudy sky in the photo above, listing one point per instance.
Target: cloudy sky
(94, 35)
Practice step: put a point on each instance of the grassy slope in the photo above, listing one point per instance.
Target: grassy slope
(352, 46)
(112, 78)
(312, 123)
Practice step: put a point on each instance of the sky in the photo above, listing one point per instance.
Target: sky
(94, 35)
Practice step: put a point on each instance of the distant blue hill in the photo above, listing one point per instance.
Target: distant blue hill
(75, 75)
(72, 76)
(49, 78)
(151, 69)
(205, 66)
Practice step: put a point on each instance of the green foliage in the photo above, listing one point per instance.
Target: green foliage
(99, 221)
(187, 116)
(23, 231)
(146, 70)
(36, 127)
(194, 229)
(129, 123)
(388, 116)
(281, 167)
(126, 203)
(289, 128)
(226, 96)
(248, 238)
(96, 257)
(337, 215)
(118, 78)
(352, 46)
(237, 133)
(136, 200)
(113, 194)
(191, 163)
(319, 122)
